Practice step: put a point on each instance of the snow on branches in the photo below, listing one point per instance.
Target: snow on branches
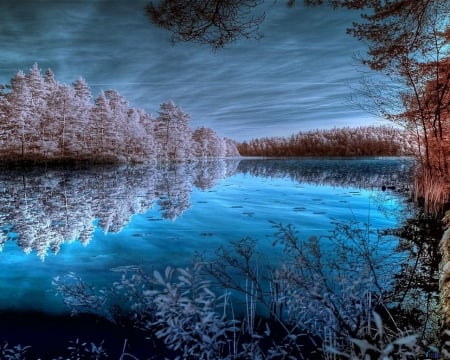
(43, 120)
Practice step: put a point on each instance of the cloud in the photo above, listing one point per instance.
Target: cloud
(296, 77)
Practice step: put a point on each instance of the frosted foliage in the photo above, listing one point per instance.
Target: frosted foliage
(207, 143)
(231, 149)
(186, 314)
(43, 120)
(176, 306)
(172, 133)
(181, 308)
(82, 90)
(358, 141)
(332, 287)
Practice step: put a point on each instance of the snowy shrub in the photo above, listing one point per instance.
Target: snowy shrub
(186, 314)
(381, 345)
(82, 350)
(133, 295)
(13, 353)
(79, 296)
(335, 286)
(177, 307)
(324, 298)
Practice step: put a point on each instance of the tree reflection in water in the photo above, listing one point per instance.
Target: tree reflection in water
(44, 208)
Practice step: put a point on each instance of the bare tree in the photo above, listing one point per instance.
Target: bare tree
(213, 22)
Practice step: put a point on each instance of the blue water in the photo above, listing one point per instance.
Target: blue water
(180, 211)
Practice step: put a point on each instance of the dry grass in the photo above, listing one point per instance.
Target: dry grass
(432, 191)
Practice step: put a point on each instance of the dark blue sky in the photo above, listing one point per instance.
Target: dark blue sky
(299, 76)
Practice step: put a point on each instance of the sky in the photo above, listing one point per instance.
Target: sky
(300, 76)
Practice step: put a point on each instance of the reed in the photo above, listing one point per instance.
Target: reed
(431, 191)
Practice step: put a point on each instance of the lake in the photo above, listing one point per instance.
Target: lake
(91, 220)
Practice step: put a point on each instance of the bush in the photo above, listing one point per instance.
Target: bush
(329, 293)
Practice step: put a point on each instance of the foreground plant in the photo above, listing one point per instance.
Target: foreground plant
(335, 288)
(15, 352)
(325, 298)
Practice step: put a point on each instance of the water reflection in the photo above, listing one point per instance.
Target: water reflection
(359, 173)
(43, 208)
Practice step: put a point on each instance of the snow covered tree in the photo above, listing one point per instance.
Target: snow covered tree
(83, 105)
(172, 133)
(35, 83)
(82, 90)
(231, 149)
(44, 120)
(49, 81)
(138, 136)
(46, 129)
(38, 104)
(119, 108)
(108, 138)
(207, 143)
(147, 124)
(3, 120)
(18, 128)
(67, 123)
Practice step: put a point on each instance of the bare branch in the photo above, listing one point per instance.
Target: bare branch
(212, 22)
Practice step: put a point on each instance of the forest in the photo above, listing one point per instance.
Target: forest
(43, 120)
(358, 141)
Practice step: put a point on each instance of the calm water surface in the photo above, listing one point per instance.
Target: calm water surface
(89, 221)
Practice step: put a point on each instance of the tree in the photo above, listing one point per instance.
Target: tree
(49, 81)
(119, 108)
(408, 41)
(47, 131)
(359, 141)
(67, 121)
(138, 135)
(44, 120)
(217, 22)
(231, 149)
(207, 143)
(220, 22)
(18, 128)
(172, 133)
(83, 105)
(38, 106)
(104, 129)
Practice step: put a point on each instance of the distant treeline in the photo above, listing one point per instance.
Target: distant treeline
(358, 141)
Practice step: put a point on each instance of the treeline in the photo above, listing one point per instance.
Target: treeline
(44, 120)
(358, 141)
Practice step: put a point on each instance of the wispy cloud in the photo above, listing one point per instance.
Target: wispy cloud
(297, 77)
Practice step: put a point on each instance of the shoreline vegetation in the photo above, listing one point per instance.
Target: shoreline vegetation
(44, 121)
(336, 142)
